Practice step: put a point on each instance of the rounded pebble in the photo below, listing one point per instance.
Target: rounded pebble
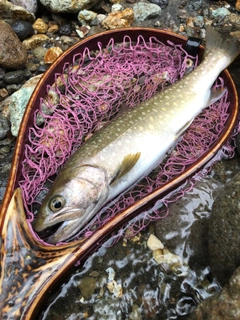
(14, 77)
(23, 29)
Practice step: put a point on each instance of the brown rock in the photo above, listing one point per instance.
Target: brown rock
(12, 53)
(52, 54)
(120, 19)
(40, 26)
(237, 6)
(35, 41)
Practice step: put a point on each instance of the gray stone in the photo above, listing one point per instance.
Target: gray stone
(23, 29)
(68, 5)
(10, 11)
(143, 11)
(29, 5)
(224, 231)
(12, 53)
(14, 77)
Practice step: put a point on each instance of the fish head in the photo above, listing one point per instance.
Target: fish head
(74, 196)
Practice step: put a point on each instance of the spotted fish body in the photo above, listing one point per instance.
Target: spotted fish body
(131, 145)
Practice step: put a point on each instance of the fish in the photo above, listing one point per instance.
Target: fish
(131, 145)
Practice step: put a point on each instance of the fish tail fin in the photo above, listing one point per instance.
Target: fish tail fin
(214, 41)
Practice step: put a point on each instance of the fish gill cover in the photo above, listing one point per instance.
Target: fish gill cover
(88, 93)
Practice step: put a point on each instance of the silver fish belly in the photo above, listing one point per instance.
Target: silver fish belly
(131, 145)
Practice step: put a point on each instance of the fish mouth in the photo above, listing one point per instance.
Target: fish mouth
(49, 231)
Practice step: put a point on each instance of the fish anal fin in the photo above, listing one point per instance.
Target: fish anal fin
(180, 131)
(126, 165)
(216, 94)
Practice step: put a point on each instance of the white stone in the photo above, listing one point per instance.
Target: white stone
(117, 7)
(154, 243)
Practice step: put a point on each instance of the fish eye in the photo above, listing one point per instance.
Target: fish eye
(56, 203)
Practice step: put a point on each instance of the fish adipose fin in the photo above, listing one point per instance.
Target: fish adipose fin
(214, 40)
(127, 164)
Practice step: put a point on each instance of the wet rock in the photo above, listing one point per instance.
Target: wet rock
(14, 77)
(52, 54)
(106, 309)
(224, 231)
(35, 41)
(87, 286)
(17, 103)
(120, 19)
(12, 53)
(29, 5)
(143, 11)
(23, 29)
(68, 6)
(4, 127)
(11, 11)
(40, 26)
(222, 306)
(184, 230)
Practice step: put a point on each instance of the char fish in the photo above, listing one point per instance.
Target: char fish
(131, 145)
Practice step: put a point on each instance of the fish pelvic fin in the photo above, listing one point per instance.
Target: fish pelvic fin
(126, 165)
(230, 46)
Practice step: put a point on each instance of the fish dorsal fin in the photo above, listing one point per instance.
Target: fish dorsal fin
(216, 94)
(126, 165)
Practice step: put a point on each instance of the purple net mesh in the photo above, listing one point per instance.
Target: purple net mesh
(90, 90)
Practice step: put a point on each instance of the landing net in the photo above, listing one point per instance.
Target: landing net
(88, 93)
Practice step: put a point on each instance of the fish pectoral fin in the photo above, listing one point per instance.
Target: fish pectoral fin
(216, 94)
(126, 165)
(180, 131)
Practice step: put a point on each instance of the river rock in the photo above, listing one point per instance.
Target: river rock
(120, 19)
(68, 5)
(29, 5)
(23, 29)
(143, 11)
(224, 231)
(10, 11)
(225, 305)
(184, 229)
(12, 53)
(17, 103)
(35, 41)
